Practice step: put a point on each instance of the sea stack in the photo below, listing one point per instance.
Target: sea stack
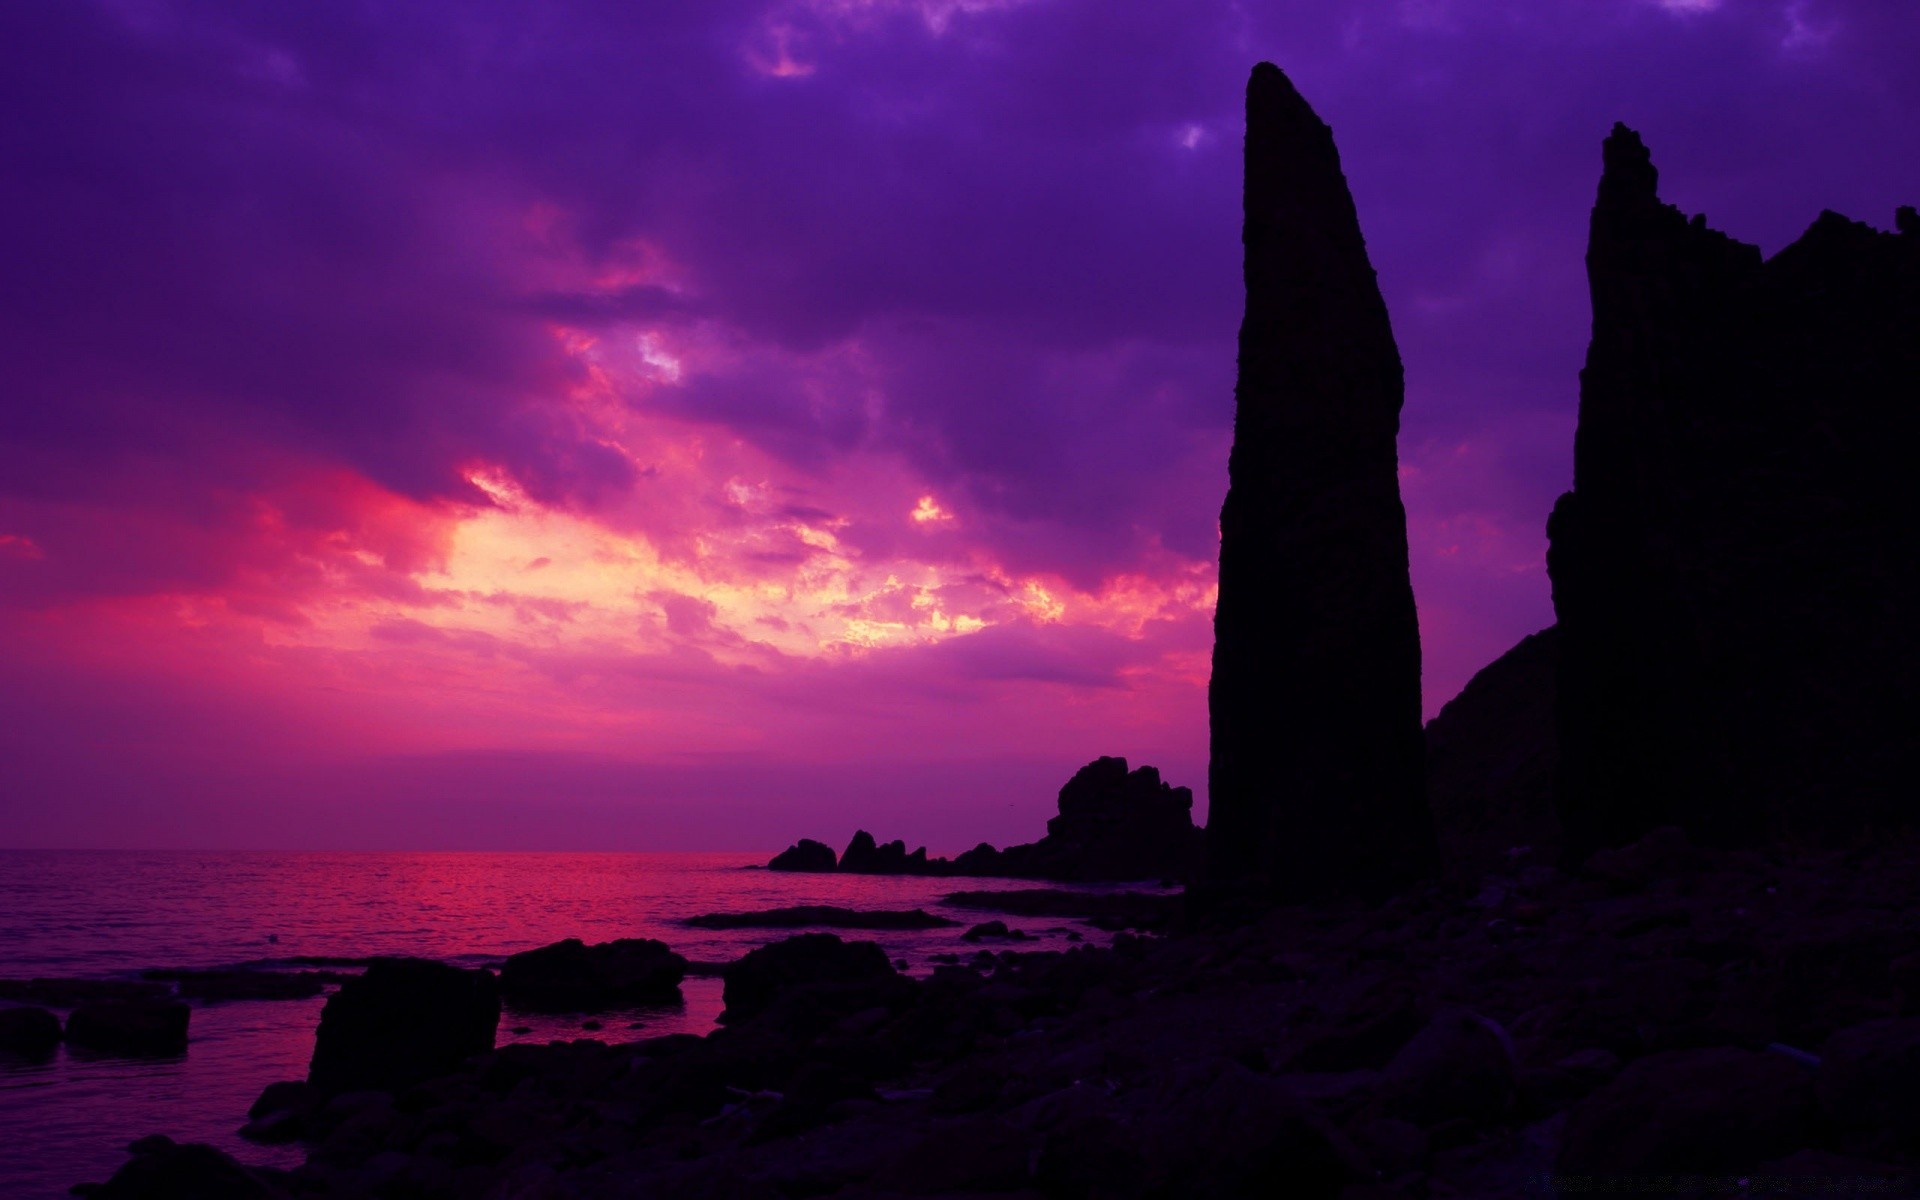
(1317, 775)
(1733, 570)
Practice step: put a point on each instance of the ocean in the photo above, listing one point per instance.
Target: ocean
(115, 914)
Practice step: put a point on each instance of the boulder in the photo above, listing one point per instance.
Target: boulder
(1869, 1076)
(404, 1021)
(804, 855)
(161, 1169)
(282, 1112)
(28, 1031)
(571, 976)
(1459, 1067)
(1317, 768)
(1223, 1130)
(1710, 1110)
(995, 930)
(130, 1026)
(820, 962)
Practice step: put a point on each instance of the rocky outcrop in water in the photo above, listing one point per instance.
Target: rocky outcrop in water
(405, 1020)
(1733, 570)
(571, 976)
(130, 1026)
(28, 1031)
(1113, 824)
(1316, 778)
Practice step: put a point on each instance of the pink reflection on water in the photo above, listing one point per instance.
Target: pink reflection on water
(112, 914)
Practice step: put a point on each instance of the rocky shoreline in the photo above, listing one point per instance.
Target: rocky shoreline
(1662, 1011)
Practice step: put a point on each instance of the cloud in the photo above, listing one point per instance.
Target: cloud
(423, 382)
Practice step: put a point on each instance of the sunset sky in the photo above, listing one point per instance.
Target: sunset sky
(703, 424)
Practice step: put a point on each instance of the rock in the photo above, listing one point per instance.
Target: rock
(1660, 852)
(804, 855)
(163, 1170)
(996, 930)
(820, 961)
(1116, 824)
(1460, 1066)
(404, 1021)
(810, 1099)
(1317, 769)
(1869, 1076)
(983, 859)
(1491, 756)
(1109, 910)
(1223, 1130)
(822, 915)
(246, 985)
(72, 993)
(28, 1031)
(130, 1026)
(282, 1112)
(1737, 478)
(865, 857)
(570, 976)
(1710, 1110)
(964, 1155)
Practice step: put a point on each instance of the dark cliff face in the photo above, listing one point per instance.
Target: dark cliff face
(1733, 571)
(1316, 776)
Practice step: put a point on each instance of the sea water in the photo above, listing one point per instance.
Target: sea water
(115, 914)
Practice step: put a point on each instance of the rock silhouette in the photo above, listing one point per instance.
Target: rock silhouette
(405, 1020)
(1114, 824)
(1316, 776)
(1491, 756)
(130, 1026)
(1733, 569)
(571, 976)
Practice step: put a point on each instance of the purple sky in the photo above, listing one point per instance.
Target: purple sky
(702, 424)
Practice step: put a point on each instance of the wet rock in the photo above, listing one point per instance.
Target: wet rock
(1460, 1066)
(282, 1112)
(571, 976)
(130, 1026)
(28, 1031)
(821, 915)
(246, 985)
(160, 1169)
(841, 972)
(72, 993)
(1317, 771)
(996, 931)
(1708, 1110)
(404, 1021)
(805, 855)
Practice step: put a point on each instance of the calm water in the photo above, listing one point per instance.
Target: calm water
(111, 915)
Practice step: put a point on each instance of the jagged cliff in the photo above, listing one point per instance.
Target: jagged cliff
(1733, 570)
(1316, 775)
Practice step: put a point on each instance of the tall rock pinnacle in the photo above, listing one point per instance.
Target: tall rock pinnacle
(1734, 571)
(1317, 771)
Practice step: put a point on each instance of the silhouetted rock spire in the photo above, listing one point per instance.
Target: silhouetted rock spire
(1733, 570)
(1316, 776)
